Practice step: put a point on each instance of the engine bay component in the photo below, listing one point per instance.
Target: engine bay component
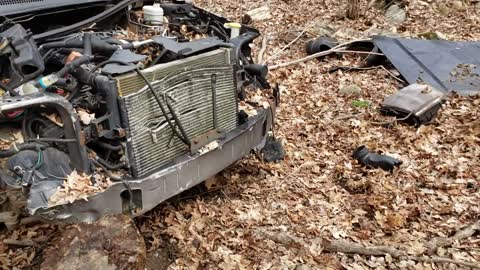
(416, 103)
(25, 59)
(153, 14)
(203, 101)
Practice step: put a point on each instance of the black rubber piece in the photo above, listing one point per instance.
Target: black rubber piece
(273, 150)
(369, 159)
(320, 44)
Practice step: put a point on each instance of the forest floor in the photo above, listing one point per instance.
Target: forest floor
(258, 215)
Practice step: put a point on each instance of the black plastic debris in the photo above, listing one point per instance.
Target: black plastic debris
(273, 150)
(445, 65)
(369, 159)
(321, 44)
(416, 104)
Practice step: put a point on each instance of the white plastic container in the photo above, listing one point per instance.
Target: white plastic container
(153, 14)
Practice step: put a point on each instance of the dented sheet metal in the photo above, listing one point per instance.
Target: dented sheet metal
(445, 65)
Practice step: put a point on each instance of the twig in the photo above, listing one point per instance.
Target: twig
(263, 49)
(22, 243)
(348, 116)
(438, 242)
(444, 260)
(391, 74)
(336, 49)
(393, 121)
(346, 68)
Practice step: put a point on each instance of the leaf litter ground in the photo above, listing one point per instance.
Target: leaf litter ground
(319, 191)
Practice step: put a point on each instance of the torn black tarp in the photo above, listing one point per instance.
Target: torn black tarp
(445, 65)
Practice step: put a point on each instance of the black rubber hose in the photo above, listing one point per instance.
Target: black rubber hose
(20, 147)
(72, 65)
(74, 27)
(109, 165)
(108, 146)
(159, 57)
(87, 44)
(93, 46)
(109, 174)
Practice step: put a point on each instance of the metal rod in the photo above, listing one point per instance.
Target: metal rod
(214, 100)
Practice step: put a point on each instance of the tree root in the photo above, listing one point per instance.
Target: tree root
(349, 247)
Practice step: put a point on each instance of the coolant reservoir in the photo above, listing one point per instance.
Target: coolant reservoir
(153, 14)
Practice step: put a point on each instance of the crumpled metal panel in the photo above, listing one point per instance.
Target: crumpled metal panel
(445, 65)
(415, 99)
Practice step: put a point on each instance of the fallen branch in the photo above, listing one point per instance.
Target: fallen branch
(21, 243)
(263, 49)
(465, 233)
(341, 48)
(344, 246)
(355, 248)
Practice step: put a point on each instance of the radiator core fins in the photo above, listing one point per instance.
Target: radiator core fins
(191, 94)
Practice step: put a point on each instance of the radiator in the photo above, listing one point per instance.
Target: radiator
(203, 97)
(131, 82)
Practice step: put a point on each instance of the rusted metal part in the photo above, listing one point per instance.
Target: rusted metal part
(204, 139)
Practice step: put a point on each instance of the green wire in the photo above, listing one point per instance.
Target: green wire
(39, 159)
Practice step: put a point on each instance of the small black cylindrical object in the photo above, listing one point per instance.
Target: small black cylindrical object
(320, 44)
(257, 70)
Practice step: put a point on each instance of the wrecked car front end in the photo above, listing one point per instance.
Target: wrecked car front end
(124, 109)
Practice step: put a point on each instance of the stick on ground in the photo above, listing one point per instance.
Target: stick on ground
(349, 247)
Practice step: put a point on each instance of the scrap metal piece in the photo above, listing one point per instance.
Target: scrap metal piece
(417, 102)
(445, 65)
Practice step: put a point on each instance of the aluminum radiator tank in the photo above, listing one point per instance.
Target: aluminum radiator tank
(200, 102)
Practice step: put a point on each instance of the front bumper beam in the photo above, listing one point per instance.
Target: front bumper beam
(184, 173)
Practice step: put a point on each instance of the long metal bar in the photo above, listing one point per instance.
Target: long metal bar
(214, 100)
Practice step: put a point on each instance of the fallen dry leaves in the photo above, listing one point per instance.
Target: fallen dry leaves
(79, 187)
